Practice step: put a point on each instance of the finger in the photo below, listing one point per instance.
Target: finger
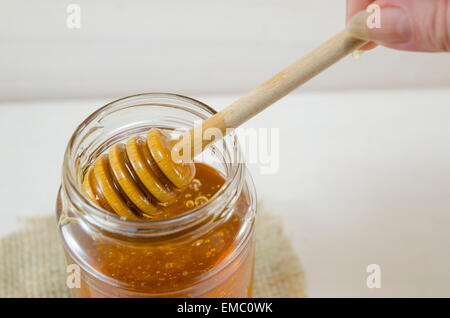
(412, 25)
(369, 46)
(354, 6)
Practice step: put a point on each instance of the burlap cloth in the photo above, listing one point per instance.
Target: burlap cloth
(32, 262)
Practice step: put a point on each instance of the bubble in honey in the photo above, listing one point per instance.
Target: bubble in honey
(200, 200)
(198, 242)
(190, 204)
(187, 195)
(170, 265)
(196, 184)
(210, 252)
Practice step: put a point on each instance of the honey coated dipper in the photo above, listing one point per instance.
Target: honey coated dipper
(141, 173)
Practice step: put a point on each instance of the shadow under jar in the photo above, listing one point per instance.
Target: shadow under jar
(205, 251)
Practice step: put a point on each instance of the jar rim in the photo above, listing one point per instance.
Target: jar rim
(96, 215)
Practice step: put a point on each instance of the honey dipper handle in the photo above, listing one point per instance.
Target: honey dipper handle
(274, 89)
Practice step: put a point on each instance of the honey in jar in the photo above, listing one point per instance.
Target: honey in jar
(200, 244)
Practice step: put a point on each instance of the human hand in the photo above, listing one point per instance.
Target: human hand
(411, 25)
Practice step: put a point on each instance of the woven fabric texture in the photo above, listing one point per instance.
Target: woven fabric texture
(33, 265)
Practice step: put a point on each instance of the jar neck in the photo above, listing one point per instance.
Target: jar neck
(94, 135)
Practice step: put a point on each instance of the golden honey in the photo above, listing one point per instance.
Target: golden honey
(199, 243)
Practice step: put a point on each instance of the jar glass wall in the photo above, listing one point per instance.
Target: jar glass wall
(205, 252)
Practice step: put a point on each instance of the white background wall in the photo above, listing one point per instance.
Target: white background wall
(188, 47)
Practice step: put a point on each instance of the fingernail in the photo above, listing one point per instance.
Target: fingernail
(394, 26)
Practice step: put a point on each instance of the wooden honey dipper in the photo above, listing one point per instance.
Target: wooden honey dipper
(141, 172)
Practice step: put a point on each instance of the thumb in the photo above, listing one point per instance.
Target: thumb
(412, 25)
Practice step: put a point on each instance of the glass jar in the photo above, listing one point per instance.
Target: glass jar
(205, 252)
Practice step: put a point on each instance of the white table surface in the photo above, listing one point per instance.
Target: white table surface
(364, 178)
